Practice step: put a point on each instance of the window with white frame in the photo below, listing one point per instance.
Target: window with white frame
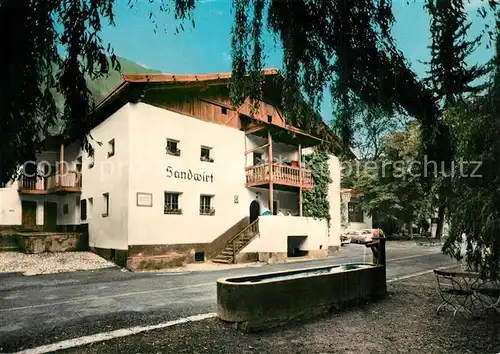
(205, 154)
(83, 209)
(355, 211)
(105, 212)
(111, 147)
(171, 205)
(90, 208)
(91, 157)
(206, 207)
(173, 147)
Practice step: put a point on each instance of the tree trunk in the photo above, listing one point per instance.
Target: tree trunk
(410, 225)
(440, 222)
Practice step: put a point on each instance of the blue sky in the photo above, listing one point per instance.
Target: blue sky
(206, 48)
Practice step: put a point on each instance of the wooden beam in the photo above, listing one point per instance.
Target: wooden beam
(257, 148)
(255, 129)
(300, 179)
(270, 167)
(217, 103)
(61, 165)
(235, 114)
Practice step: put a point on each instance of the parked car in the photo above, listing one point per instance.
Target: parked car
(345, 238)
(362, 236)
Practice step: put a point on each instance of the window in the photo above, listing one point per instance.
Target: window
(269, 119)
(257, 158)
(65, 209)
(105, 197)
(206, 205)
(199, 257)
(223, 110)
(91, 157)
(83, 209)
(171, 205)
(111, 147)
(355, 212)
(205, 154)
(78, 166)
(172, 147)
(90, 208)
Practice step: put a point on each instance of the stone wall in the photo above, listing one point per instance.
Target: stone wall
(39, 242)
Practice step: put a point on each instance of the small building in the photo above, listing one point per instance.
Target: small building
(177, 174)
(352, 214)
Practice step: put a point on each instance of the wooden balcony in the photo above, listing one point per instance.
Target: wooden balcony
(69, 182)
(281, 174)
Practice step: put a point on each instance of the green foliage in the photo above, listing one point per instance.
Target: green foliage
(54, 49)
(315, 203)
(474, 204)
(392, 186)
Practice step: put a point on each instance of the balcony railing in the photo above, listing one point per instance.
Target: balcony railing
(70, 181)
(282, 174)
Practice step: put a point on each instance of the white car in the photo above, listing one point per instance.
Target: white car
(361, 236)
(345, 238)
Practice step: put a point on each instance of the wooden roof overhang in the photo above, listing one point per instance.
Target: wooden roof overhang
(284, 134)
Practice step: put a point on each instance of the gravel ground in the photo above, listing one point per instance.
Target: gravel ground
(47, 263)
(404, 322)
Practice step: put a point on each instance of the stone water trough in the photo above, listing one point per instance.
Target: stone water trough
(257, 302)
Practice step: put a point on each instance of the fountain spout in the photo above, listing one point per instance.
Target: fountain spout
(377, 246)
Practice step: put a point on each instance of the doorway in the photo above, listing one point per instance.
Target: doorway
(254, 210)
(296, 245)
(276, 206)
(28, 215)
(50, 217)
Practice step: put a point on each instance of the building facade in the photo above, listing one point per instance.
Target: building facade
(176, 174)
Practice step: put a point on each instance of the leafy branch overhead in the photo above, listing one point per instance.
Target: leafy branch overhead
(53, 48)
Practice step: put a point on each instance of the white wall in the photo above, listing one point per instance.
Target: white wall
(274, 231)
(149, 130)
(109, 175)
(10, 205)
(334, 200)
(355, 226)
(281, 151)
(287, 200)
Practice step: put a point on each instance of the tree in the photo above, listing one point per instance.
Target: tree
(49, 48)
(450, 79)
(474, 204)
(392, 184)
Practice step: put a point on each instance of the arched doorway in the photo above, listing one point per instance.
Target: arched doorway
(254, 210)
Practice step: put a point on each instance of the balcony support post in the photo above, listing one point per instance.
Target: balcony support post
(300, 179)
(270, 169)
(61, 166)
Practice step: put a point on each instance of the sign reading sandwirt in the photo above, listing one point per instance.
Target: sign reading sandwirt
(189, 175)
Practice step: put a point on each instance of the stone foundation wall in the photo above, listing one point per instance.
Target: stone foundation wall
(142, 257)
(318, 253)
(32, 243)
(247, 257)
(334, 248)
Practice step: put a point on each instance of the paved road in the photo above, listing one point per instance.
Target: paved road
(45, 309)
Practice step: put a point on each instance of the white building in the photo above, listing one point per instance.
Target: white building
(177, 174)
(354, 218)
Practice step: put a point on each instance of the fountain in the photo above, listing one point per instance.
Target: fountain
(256, 302)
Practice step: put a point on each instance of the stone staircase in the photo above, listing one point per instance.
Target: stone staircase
(237, 243)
